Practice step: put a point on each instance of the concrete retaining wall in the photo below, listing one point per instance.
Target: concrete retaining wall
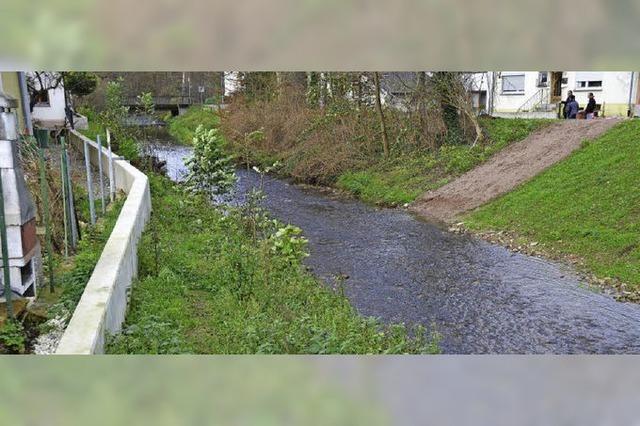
(103, 305)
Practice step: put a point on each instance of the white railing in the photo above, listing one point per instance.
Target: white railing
(540, 97)
(103, 304)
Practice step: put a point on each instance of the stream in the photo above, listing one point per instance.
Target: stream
(480, 297)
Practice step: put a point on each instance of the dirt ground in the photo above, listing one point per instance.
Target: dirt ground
(509, 168)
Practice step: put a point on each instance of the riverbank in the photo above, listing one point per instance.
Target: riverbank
(183, 127)
(207, 285)
(583, 210)
(480, 297)
(403, 178)
(353, 166)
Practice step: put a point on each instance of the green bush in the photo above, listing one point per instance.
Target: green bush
(12, 338)
(210, 170)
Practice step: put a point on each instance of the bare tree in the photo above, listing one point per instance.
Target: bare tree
(39, 83)
(450, 90)
(383, 126)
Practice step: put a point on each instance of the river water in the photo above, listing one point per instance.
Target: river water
(480, 297)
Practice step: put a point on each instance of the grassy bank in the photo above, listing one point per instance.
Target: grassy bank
(124, 144)
(206, 285)
(338, 149)
(404, 177)
(182, 127)
(587, 206)
(342, 147)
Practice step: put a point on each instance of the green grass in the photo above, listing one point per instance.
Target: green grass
(72, 276)
(588, 205)
(126, 146)
(183, 126)
(214, 289)
(405, 176)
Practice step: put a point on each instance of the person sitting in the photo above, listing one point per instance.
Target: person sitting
(572, 108)
(591, 107)
(565, 103)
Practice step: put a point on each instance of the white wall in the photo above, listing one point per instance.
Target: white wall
(55, 111)
(513, 101)
(614, 91)
(615, 88)
(103, 304)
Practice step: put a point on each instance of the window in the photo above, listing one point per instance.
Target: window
(588, 81)
(513, 84)
(42, 98)
(543, 79)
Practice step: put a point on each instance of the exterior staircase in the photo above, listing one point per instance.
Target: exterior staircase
(539, 101)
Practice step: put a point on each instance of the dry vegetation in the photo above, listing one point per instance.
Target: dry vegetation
(336, 139)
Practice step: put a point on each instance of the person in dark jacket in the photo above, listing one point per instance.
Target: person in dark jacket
(572, 108)
(591, 107)
(564, 110)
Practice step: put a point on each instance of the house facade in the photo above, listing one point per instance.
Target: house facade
(538, 93)
(49, 110)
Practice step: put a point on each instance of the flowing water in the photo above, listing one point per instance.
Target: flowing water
(480, 297)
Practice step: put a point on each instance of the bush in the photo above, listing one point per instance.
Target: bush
(210, 170)
(12, 338)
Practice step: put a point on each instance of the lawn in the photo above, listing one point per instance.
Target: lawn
(182, 127)
(587, 205)
(405, 176)
(207, 285)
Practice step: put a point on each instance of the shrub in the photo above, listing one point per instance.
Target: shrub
(288, 244)
(12, 338)
(210, 170)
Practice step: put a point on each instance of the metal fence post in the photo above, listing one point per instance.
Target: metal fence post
(102, 199)
(87, 163)
(5, 254)
(65, 200)
(112, 178)
(75, 236)
(44, 193)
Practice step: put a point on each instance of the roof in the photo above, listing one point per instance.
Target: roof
(398, 83)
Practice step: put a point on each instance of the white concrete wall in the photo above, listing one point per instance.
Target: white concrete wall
(55, 111)
(510, 102)
(103, 305)
(615, 89)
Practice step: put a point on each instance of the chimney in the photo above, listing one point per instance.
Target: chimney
(22, 242)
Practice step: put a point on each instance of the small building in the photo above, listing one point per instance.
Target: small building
(539, 93)
(49, 109)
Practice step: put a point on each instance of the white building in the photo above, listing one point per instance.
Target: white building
(539, 93)
(48, 112)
